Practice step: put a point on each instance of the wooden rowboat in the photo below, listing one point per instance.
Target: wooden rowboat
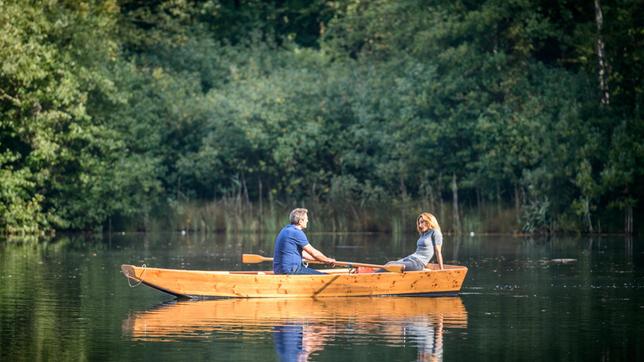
(337, 283)
(198, 319)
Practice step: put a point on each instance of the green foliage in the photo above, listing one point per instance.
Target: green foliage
(536, 217)
(68, 166)
(120, 109)
(49, 54)
(20, 209)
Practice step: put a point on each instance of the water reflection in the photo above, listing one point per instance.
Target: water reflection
(298, 341)
(301, 328)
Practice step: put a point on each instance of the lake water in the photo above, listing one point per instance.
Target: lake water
(521, 300)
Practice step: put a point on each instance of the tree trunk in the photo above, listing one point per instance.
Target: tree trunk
(178, 188)
(587, 216)
(440, 196)
(457, 218)
(432, 199)
(628, 220)
(245, 191)
(261, 202)
(403, 188)
(601, 56)
(517, 200)
(271, 207)
(498, 198)
(628, 213)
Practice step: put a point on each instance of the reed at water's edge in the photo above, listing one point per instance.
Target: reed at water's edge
(234, 215)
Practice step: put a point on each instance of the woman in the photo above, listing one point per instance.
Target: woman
(428, 245)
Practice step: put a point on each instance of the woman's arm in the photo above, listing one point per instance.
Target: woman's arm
(439, 255)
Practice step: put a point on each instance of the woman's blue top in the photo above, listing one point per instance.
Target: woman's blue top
(425, 245)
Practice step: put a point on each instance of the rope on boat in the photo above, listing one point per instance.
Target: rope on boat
(140, 280)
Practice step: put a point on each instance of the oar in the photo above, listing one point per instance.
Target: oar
(254, 259)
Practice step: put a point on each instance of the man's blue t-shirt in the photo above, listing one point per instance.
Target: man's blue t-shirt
(288, 249)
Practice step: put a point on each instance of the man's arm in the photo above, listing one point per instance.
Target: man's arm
(306, 255)
(315, 254)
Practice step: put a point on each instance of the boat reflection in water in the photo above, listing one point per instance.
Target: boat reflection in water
(302, 327)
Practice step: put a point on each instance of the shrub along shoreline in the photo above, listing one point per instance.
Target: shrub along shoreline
(513, 117)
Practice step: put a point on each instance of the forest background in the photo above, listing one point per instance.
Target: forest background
(498, 116)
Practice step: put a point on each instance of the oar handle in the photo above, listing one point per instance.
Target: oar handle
(396, 268)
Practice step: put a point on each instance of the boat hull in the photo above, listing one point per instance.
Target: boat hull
(338, 283)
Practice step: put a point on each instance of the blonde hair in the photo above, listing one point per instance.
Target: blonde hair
(297, 215)
(430, 219)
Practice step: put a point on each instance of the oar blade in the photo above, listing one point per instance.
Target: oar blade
(254, 259)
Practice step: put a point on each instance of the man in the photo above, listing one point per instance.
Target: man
(291, 245)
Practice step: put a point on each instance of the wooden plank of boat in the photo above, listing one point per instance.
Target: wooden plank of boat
(194, 319)
(337, 283)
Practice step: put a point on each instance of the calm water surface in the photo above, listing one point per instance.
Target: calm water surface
(522, 300)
